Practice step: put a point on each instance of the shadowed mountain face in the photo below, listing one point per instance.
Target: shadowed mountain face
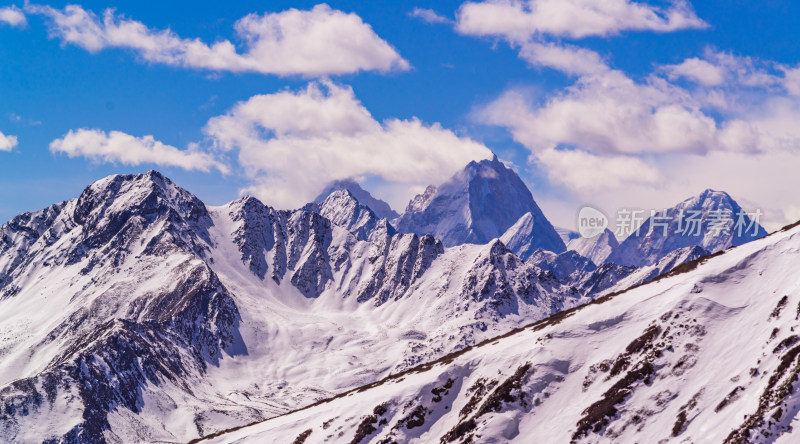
(476, 205)
(674, 229)
(135, 313)
(343, 209)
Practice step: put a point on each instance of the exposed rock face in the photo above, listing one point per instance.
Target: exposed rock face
(668, 231)
(610, 277)
(476, 205)
(105, 340)
(136, 313)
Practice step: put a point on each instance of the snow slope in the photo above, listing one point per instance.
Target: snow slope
(706, 354)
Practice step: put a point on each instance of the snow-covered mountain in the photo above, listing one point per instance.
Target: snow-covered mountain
(709, 353)
(597, 248)
(343, 209)
(562, 265)
(134, 313)
(478, 204)
(675, 228)
(574, 270)
(379, 207)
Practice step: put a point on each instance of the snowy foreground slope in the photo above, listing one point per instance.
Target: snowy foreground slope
(707, 354)
(134, 313)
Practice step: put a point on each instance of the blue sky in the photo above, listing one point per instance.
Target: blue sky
(636, 104)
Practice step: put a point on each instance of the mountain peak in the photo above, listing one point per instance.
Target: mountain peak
(344, 209)
(108, 204)
(477, 204)
(379, 207)
(597, 248)
(668, 231)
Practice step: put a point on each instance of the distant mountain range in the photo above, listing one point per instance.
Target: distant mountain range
(136, 313)
(673, 228)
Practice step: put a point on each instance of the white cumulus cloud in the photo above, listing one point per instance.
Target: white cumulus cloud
(588, 173)
(13, 16)
(520, 20)
(7, 142)
(316, 42)
(698, 70)
(569, 59)
(611, 113)
(119, 147)
(725, 70)
(429, 16)
(292, 143)
(621, 142)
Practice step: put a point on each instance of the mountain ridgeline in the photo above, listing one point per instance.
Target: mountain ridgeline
(136, 313)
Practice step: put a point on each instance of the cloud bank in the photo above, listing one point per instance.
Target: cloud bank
(520, 20)
(292, 143)
(118, 147)
(317, 42)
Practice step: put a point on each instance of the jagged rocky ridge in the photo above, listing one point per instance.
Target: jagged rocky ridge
(79, 337)
(125, 311)
(707, 354)
(342, 208)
